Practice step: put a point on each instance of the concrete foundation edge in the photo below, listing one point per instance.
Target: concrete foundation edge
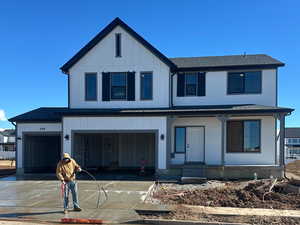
(227, 172)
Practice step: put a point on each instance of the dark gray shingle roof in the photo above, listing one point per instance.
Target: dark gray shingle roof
(55, 114)
(292, 132)
(226, 61)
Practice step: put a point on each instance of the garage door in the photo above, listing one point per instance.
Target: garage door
(41, 153)
(113, 150)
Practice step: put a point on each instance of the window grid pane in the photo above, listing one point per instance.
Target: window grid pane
(244, 82)
(251, 136)
(146, 86)
(91, 86)
(191, 84)
(118, 86)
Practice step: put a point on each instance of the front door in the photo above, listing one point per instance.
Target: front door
(195, 144)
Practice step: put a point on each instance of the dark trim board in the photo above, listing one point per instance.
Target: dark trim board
(154, 131)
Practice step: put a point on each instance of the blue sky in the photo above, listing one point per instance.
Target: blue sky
(37, 37)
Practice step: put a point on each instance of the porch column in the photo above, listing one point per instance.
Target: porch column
(282, 137)
(223, 119)
(170, 120)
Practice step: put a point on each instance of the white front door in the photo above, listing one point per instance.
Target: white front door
(195, 144)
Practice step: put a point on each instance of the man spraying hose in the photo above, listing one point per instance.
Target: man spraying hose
(65, 172)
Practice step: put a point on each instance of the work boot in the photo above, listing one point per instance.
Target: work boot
(77, 209)
(65, 211)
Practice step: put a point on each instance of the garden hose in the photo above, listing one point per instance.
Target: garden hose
(99, 187)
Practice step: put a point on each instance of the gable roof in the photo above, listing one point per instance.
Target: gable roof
(102, 34)
(292, 132)
(223, 62)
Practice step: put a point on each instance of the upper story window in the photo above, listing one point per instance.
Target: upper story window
(91, 86)
(118, 86)
(146, 86)
(191, 84)
(118, 45)
(243, 136)
(244, 82)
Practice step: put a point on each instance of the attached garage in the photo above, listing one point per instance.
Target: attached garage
(41, 152)
(115, 150)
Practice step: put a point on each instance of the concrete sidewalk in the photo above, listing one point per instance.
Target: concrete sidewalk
(41, 200)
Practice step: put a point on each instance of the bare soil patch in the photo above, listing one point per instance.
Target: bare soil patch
(293, 168)
(183, 213)
(254, 194)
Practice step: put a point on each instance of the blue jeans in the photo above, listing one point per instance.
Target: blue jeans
(71, 186)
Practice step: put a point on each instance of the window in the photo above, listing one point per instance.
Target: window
(118, 86)
(146, 86)
(91, 86)
(243, 136)
(180, 140)
(294, 140)
(118, 45)
(244, 83)
(191, 84)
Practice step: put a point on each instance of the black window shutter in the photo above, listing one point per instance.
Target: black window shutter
(131, 86)
(180, 84)
(105, 86)
(201, 84)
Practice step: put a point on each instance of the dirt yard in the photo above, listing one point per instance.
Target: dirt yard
(252, 194)
(7, 167)
(293, 168)
(182, 213)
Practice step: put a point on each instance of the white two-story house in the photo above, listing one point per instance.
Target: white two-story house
(129, 105)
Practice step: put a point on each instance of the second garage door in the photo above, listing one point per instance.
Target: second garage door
(115, 150)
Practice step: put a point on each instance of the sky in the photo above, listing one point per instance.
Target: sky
(37, 37)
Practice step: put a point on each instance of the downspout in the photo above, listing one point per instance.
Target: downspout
(171, 91)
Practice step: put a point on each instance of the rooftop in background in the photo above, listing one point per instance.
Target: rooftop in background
(8, 132)
(292, 132)
(226, 61)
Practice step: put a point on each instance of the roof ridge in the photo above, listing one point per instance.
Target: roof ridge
(217, 56)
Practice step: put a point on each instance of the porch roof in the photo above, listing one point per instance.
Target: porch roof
(45, 114)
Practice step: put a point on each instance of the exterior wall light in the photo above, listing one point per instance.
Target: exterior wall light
(162, 137)
(67, 137)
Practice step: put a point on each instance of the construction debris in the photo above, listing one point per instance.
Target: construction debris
(266, 193)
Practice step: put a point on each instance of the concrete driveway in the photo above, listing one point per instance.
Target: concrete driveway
(40, 199)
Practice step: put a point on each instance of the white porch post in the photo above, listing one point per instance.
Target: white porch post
(223, 119)
(282, 137)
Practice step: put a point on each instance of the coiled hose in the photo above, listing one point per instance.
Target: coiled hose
(99, 187)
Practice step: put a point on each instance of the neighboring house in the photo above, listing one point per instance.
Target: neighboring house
(292, 142)
(129, 105)
(7, 144)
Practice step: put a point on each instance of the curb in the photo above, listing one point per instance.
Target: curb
(187, 222)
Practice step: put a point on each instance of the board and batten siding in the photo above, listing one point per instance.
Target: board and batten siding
(38, 128)
(213, 142)
(216, 91)
(115, 124)
(135, 57)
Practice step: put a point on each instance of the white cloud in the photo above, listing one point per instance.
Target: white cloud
(2, 115)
